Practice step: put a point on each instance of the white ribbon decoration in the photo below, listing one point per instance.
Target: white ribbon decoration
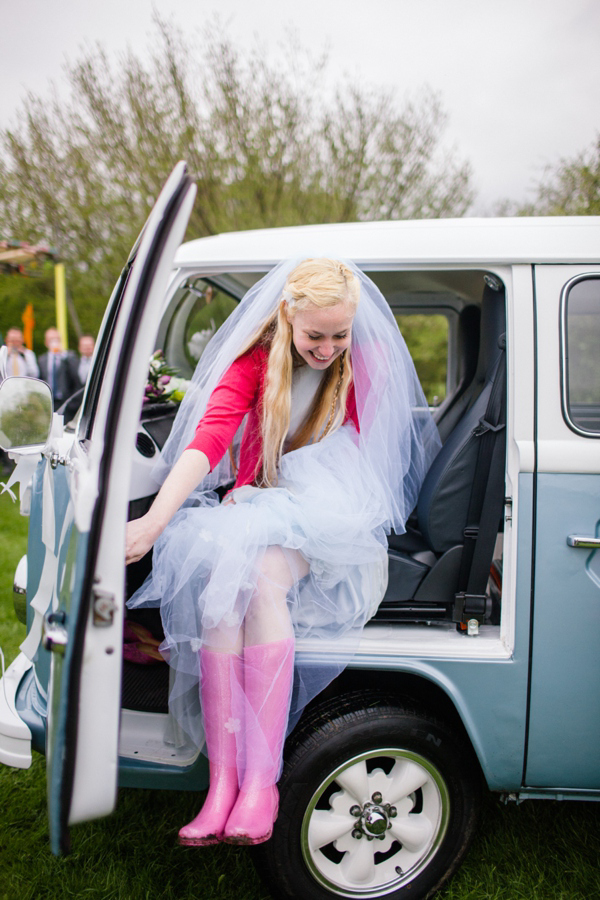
(46, 595)
(46, 591)
(82, 480)
(21, 475)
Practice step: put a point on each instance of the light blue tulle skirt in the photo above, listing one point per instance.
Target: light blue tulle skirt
(308, 556)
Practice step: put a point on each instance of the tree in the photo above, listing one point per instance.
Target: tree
(17, 291)
(267, 142)
(570, 188)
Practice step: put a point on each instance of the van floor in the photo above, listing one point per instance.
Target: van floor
(145, 688)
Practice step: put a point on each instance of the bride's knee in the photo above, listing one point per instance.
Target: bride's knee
(282, 568)
(274, 569)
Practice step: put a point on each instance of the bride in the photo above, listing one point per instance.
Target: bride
(308, 400)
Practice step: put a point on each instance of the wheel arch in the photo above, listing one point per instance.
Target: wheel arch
(427, 690)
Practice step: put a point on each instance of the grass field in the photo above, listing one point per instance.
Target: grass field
(540, 850)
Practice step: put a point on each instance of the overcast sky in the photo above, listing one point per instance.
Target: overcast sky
(519, 79)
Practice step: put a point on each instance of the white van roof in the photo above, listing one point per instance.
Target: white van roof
(468, 241)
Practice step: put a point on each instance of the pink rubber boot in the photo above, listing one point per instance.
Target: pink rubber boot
(268, 674)
(220, 672)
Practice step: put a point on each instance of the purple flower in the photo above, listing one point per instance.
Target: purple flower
(164, 379)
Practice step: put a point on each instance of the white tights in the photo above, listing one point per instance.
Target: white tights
(267, 617)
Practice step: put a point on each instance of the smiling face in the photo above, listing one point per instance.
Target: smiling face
(321, 335)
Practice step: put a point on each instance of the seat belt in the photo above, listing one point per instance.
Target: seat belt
(485, 504)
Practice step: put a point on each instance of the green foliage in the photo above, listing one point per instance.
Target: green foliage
(17, 291)
(584, 376)
(570, 188)
(269, 142)
(207, 315)
(210, 315)
(427, 339)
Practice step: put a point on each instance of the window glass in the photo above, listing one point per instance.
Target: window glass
(580, 355)
(96, 376)
(201, 311)
(426, 337)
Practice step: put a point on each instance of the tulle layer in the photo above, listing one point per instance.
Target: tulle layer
(307, 558)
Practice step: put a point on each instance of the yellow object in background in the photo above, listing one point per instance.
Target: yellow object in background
(28, 320)
(61, 303)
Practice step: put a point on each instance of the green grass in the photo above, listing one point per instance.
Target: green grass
(13, 544)
(540, 850)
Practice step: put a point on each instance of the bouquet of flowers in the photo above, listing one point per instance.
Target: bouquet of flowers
(163, 383)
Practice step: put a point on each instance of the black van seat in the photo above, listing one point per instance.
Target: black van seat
(481, 331)
(424, 563)
(447, 414)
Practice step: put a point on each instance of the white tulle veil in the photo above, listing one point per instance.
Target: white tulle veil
(398, 438)
(334, 502)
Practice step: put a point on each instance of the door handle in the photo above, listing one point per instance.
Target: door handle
(586, 543)
(54, 632)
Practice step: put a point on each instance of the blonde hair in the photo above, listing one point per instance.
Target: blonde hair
(320, 283)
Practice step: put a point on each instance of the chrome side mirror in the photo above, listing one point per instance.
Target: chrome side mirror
(25, 414)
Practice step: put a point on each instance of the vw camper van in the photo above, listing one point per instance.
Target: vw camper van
(480, 669)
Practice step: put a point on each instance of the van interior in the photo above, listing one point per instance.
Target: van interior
(445, 572)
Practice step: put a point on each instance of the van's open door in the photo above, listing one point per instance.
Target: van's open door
(84, 626)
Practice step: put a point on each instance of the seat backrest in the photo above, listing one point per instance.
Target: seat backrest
(490, 325)
(450, 410)
(443, 504)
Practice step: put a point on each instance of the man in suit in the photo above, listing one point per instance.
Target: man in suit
(58, 368)
(86, 351)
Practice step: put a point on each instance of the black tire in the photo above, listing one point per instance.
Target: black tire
(339, 745)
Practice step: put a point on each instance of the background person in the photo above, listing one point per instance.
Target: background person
(331, 458)
(58, 368)
(86, 351)
(21, 360)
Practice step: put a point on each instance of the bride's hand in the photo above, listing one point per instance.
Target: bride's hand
(139, 539)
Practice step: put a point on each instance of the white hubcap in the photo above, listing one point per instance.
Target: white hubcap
(375, 823)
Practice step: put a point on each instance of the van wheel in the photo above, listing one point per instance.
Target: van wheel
(377, 800)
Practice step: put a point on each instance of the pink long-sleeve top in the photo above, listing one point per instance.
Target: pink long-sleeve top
(240, 393)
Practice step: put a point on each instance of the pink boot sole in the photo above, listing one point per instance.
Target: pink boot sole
(253, 816)
(207, 841)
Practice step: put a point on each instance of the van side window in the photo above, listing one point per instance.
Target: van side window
(580, 343)
(427, 338)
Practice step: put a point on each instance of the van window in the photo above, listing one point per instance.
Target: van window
(426, 337)
(581, 339)
(202, 308)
